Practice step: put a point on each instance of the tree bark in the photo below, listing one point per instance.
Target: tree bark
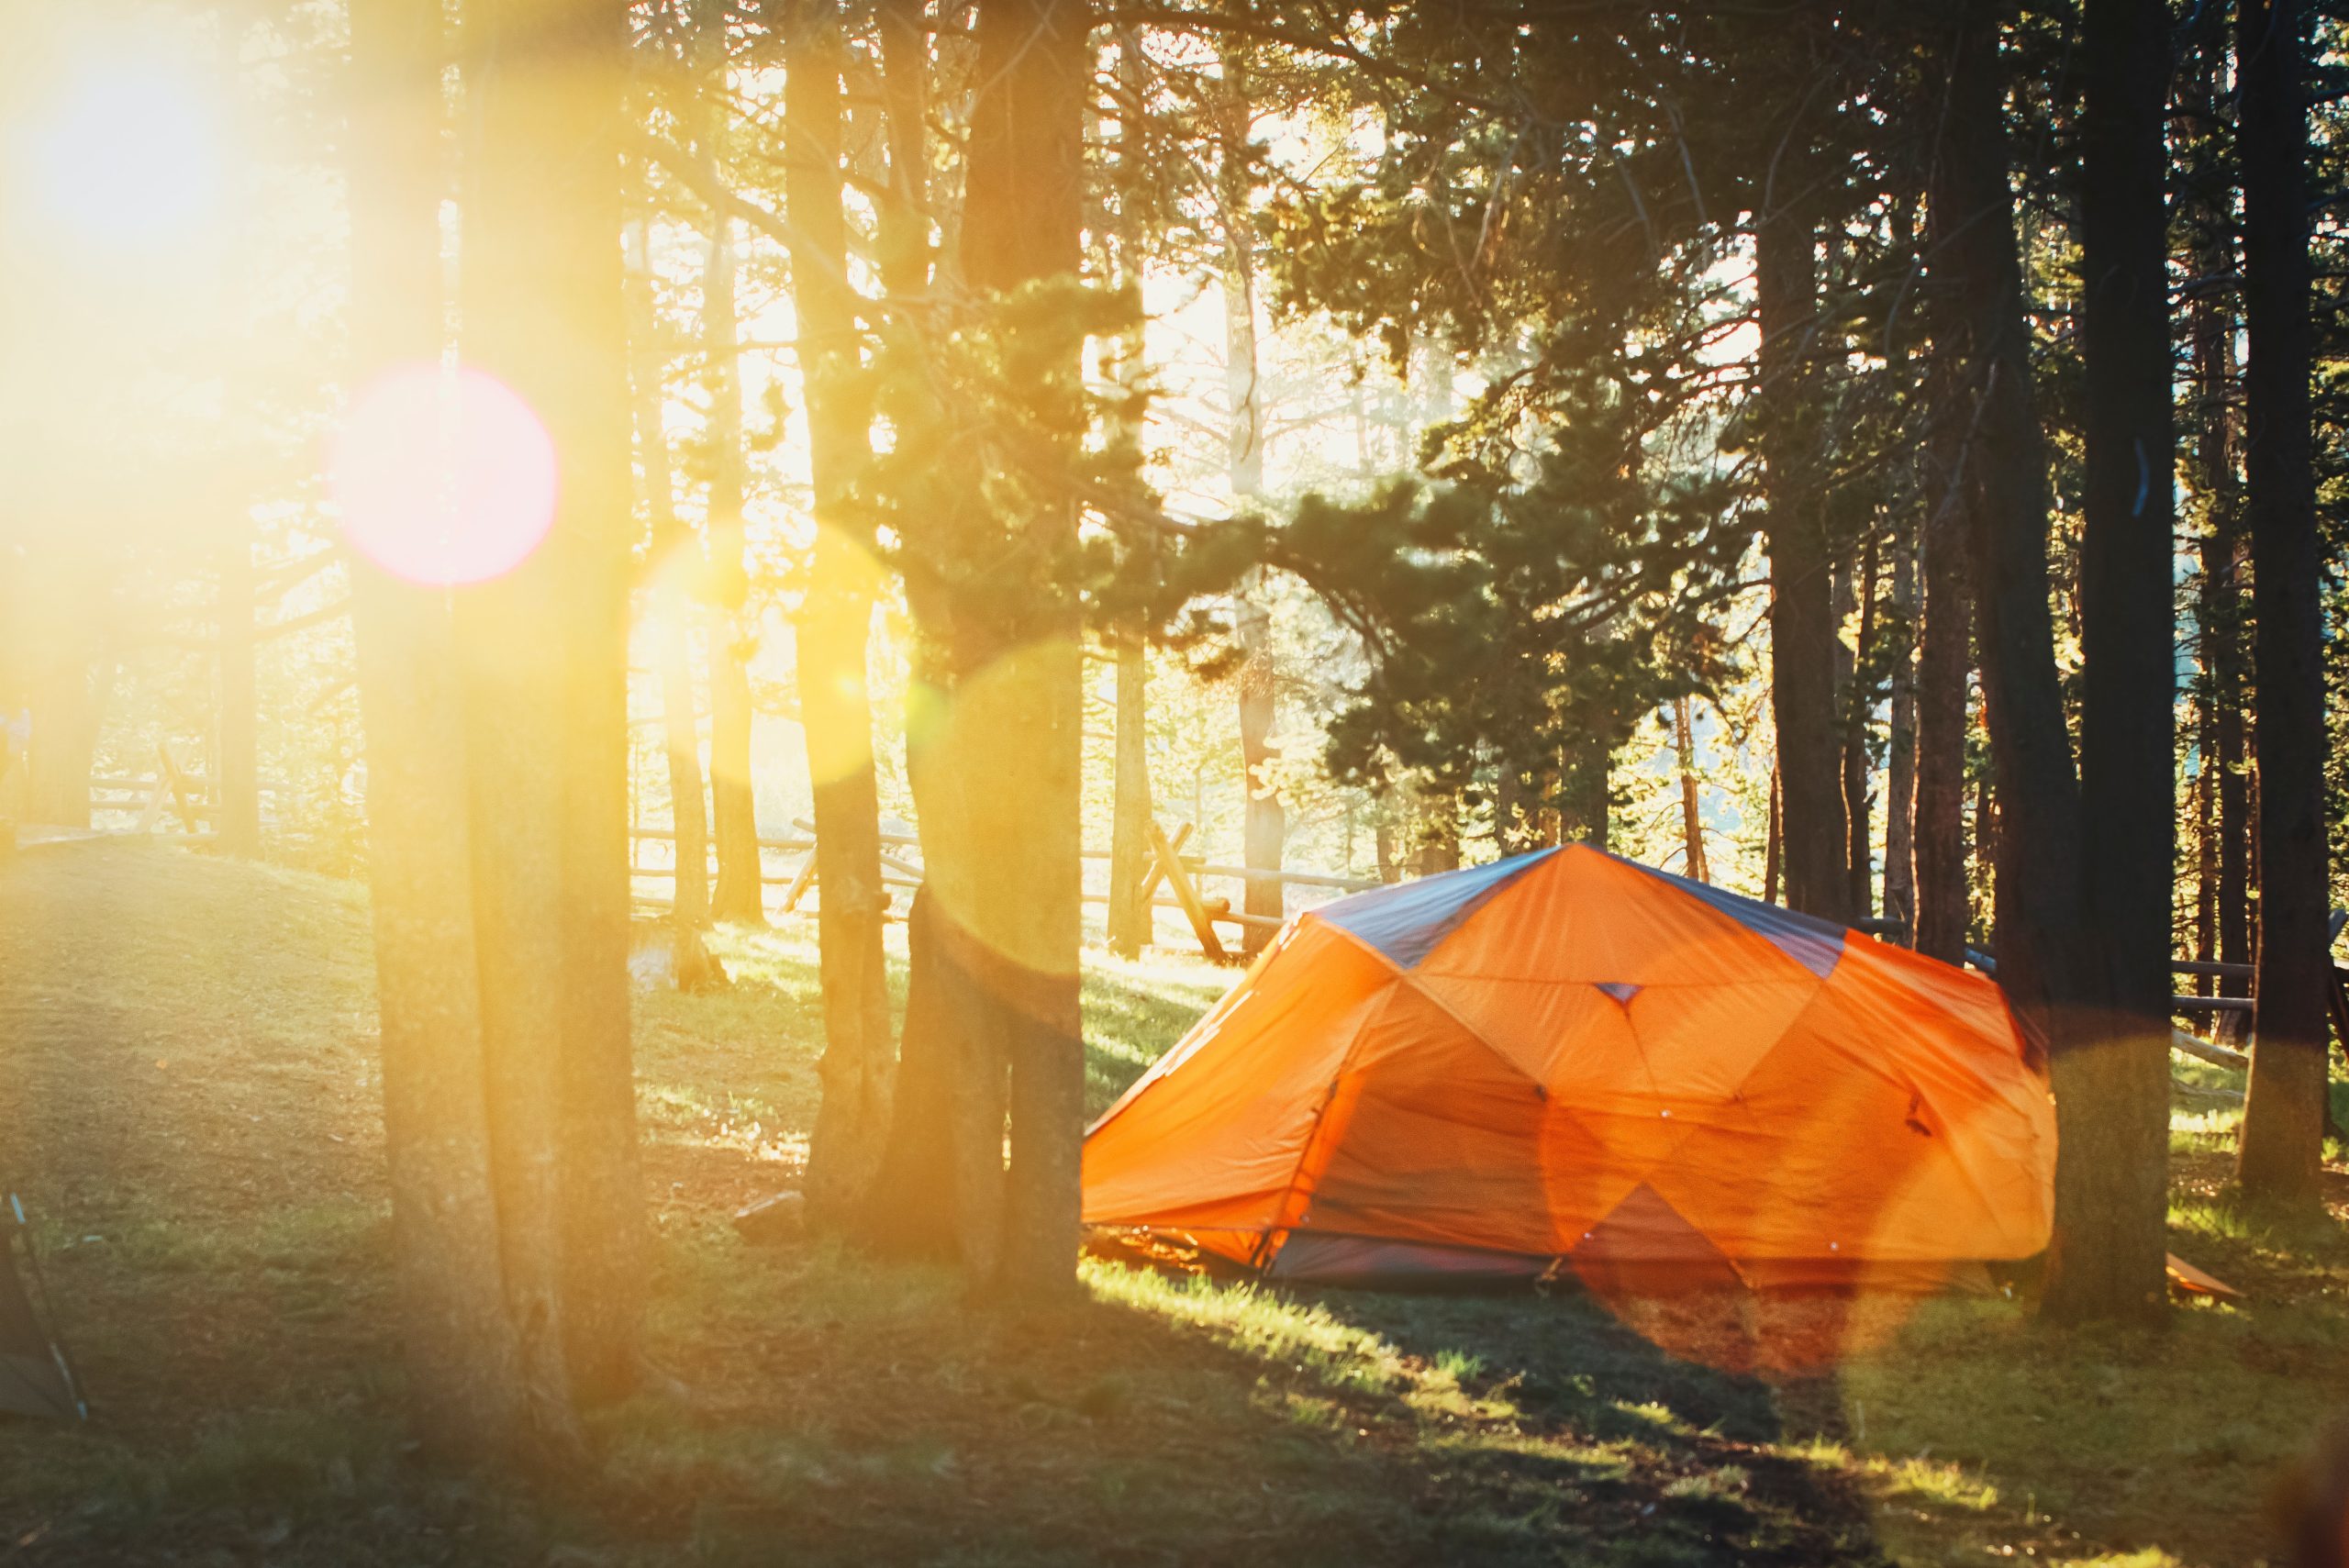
(939, 1189)
(1129, 922)
(1131, 925)
(238, 793)
(835, 625)
(673, 567)
(1900, 748)
(1023, 222)
(2284, 1110)
(1860, 840)
(2206, 852)
(71, 690)
(2113, 1089)
(938, 1193)
(2223, 894)
(1437, 848)
(462, 1356)
(547, 654)
(1802, 621)
(2223, 622)
(2004, 489)
(740, 894)
(1587, 789)
(1692, 820)
(2234, 795)
(997, 754)
(1264, 822)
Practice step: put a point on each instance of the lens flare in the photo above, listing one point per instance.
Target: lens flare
(830, 640)
(978, 741)
(127, 153)
(444, 477)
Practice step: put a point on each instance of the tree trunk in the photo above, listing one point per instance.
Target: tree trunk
(1802, 620)
(938, 1193)
(1587, 792)
(1770, 848)
(1986, 842)
(239, 785)
(2222, 894)
(71, 690)
(2222, 624)
(902, 232)
(2284, 1111)
(997, 759)
(1900, 748)
(1692, 820)
(1023, 221)
(835, 625)
(461, 1353)
(681, 742)
(1131, 925)
(1438, 847)
(2114, 1160)
(2234, 795)
(1129, 921)
(2206, 853)
(547, 645)
(672, 569)
(1859, 854)
(1264, 822)
(740, 894)
(2044, 964)
(939, 1189)
(1521, 814)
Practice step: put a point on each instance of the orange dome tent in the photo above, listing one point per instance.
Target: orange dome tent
(1568, 1062)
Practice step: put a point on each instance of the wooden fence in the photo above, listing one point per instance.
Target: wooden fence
(170, 791)
(1170, 881)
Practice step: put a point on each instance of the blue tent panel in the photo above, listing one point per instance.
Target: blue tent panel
(1408, 920)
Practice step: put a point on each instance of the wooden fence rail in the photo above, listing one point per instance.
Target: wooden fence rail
(1170, 881)
(170, 788)
(1195, 864)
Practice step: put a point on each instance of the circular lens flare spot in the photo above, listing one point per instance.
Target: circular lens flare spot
(444, 477)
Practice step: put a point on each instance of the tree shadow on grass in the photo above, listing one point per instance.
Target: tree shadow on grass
(1702, 1472)
(869, 1413)
(884, 1414)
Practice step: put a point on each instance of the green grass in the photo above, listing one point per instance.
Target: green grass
(187, 1090)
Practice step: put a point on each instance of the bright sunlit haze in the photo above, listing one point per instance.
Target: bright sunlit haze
(1043, 782)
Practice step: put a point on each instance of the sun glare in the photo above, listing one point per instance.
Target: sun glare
(443, 476)
(129, 154)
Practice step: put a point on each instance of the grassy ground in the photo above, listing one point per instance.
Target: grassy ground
(187, 1097)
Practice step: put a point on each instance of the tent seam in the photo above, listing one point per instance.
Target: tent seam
(1446, 1008)
(1320, 1114)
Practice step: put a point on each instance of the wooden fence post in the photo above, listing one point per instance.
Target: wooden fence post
(1171, 864)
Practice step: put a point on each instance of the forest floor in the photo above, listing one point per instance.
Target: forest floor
(189, 1102)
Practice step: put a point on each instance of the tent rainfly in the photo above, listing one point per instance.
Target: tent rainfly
(1566, 1062)
(34, 1379)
